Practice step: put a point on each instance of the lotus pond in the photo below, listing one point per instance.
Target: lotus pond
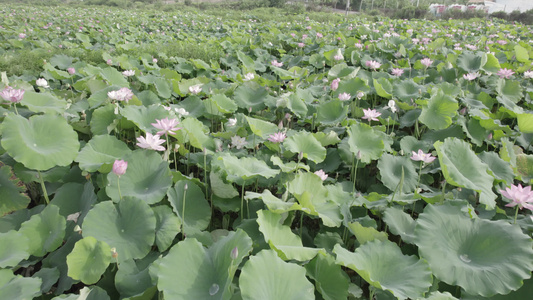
(180, 155)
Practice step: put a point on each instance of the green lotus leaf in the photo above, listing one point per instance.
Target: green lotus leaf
(103, 120)
(197, 213)
(366, 142)
(400, 223)
(11, 192)
(396, 170)
(133, 277)
(167, 227)
(524, 166)
(382, 265)
(74, 198)
(304, 142)
(383, 88)
(195, 132)
(261, 128)
(266, 277)
(408, 90)
(147, 178)
(470, 62)
(331, 138)
(493, 64)
(352, 87)
(222, 103)
(461, 167)
(201, 273)
(240, 170)
(330, 280)
(509, 89)
(48, 276)
(332, 112)
(280, 238)
(220, 188)
(29, 141)
(43, 102)
(525, 123)
(500, 169)
(162, 87)
(88, 260)
(273, 203)
(61, 61)
(114, 77)
(58, 260)
(128, 227)
(297, 104)
(483, 257)
(365, 234)
(92, 293)
(45, 231)
(101, 149)
(16, 287)
(440, 296)
(251, 95)
(438, 112)
(143, 116)
(14, 248)
(521, 54)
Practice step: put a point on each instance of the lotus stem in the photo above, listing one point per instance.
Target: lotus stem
(242, 200)
(119, 193)
(43, 187)
(301, 223)
(183, 211)
(515, 214)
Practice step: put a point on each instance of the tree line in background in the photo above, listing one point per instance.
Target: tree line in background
(397, 9)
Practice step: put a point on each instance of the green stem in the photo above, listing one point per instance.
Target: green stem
(301, 223)
(515, 215)
(183, 211)
(118, 184)
(15, 106)
(43, 187)
(242, 201)
(168, 149)
(354, 172)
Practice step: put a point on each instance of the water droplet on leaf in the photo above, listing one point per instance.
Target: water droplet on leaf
(213, 289)
(464, 257)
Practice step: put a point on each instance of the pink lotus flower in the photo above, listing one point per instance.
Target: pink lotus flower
(128, 73)
(275, 63)
(124, 94)
(166, 125)
(22, 35)
(335, 84)
(119, 167)
(505, 73)
(338, 57)
(344, 96)
(109, 62)
(371, 114)
(151, 142)
(397, 72)
(360, 95)
(238, 142)
(301, 45)
(421, 156)
(426, 62)
(471, 76)
(277, 137)
(528, 74)
(523, 197)
(71, 71)
(372, 64)
(321, 174)
(195, 89)
(12, 95)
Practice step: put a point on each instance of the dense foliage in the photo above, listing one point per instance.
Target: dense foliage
(159, 155)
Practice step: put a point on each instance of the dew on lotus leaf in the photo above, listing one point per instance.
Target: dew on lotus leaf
(213, 289)
(465, 258)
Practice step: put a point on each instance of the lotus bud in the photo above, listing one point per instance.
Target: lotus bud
(300, 155)
(77, 229)
(186, 187)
